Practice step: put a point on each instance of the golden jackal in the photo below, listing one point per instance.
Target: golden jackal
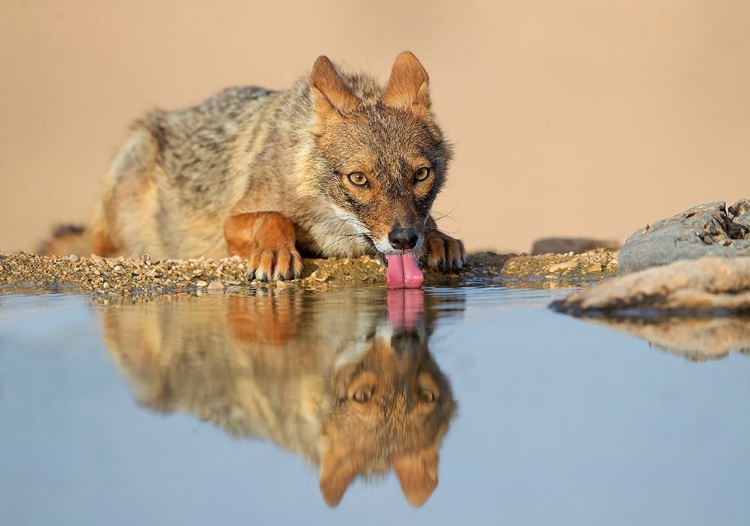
(330, 377)
(335, 166)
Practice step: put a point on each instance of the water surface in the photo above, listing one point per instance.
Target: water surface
(269, 409)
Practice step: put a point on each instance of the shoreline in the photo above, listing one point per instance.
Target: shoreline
(26, 272)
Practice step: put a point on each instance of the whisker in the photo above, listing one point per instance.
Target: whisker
(439, 216)
(342, 238)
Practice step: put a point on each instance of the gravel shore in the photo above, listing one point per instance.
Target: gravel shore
(106, 276)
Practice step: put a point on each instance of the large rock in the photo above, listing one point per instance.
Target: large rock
(704, 230)
(703, 287)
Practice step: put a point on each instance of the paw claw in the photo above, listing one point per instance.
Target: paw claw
(443, 252)
(273, 265)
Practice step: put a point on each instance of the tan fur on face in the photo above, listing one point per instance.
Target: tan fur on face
(388, 137)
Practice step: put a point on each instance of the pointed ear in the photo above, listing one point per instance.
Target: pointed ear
(329, 92)
(417, 473)
(408, 87)
(337, 471)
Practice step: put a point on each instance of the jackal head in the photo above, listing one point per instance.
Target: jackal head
(382, 157)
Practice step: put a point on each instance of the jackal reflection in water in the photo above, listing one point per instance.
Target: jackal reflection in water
(343, 380)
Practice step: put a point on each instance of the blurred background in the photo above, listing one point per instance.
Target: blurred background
(576, 118)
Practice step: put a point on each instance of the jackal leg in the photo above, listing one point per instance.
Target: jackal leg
(441, 250)
(266, 240)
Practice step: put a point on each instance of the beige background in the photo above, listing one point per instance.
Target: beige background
(577, 117)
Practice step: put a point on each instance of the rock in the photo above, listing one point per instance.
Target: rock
(574, 245)
(215, 286)
(739, 208)
(596, 267)
(706, 286)
(320, 275)
(739, 212)
(562, 266)
(200, 283)
(703, 231)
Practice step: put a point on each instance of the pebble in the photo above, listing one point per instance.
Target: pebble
(561, 266)
(215, 286)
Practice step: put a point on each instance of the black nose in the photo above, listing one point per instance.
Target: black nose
(403, 238)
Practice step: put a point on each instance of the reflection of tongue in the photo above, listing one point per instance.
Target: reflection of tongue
(403, 272)
(404, 308)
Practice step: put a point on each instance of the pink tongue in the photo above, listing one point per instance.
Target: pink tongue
(403, 272)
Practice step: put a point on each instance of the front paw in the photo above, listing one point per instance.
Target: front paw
(267, 265)
(266, 241)
(442, 251)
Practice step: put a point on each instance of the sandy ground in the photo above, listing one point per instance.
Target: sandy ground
(138, 277)
(574, 118)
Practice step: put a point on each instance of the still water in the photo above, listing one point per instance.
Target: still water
(443, 406)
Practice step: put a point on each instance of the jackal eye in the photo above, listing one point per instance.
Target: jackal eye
(427, 396)
(422, 174)
(357, 179)
(362, 395)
